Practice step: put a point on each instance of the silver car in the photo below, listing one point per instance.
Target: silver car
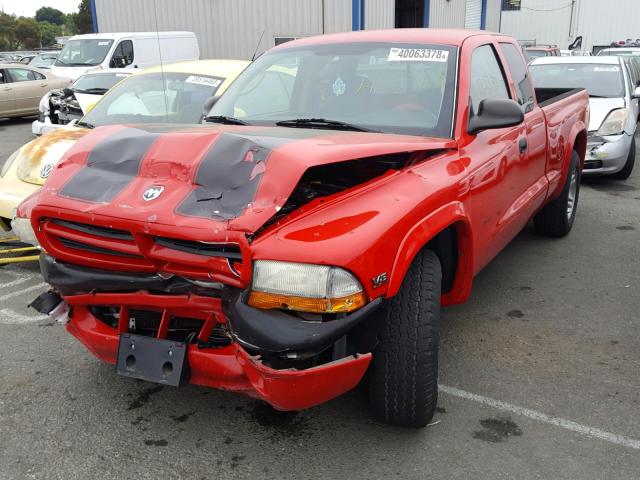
(613, 103)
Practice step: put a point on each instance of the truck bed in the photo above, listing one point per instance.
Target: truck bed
(547, 96)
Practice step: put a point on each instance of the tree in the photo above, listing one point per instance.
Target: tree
(84, 20)
(28, 32)
(8, 39)
(48, 33)
(70, 27)
(51, 15)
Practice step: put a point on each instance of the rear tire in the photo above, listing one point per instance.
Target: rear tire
(556, 218)
(403, 378)
(628, 166)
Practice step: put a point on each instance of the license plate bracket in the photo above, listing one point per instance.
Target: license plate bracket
(152, 359)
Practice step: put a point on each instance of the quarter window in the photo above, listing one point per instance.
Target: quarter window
(487, 80)
(520, 75)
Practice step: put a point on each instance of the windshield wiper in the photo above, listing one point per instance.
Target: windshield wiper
(598, 96)
(91, 91)
(225, 120)
(85, 124)
(323, 123)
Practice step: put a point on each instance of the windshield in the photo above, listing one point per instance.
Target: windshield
(599, 80)
(83, 52)
(97, 82)
(618, 53)
(42, 61)
(155, 98)
(536, 53)
(396, 88)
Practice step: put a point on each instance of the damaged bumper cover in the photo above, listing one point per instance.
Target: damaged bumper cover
(236, 365)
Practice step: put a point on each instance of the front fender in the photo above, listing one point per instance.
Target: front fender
(424, 231)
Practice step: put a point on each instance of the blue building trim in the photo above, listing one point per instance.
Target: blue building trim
(362, 3)
(483, 15)
(425, 14)
(94, 15)
(355, 15)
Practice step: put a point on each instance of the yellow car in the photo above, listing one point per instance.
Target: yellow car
(175, 93)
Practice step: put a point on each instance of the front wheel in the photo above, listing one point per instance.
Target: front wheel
(556, 218)
(403, 379)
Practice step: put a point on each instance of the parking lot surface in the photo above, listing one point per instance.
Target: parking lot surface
(540, 375)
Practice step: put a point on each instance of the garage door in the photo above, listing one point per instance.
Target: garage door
(473, 14)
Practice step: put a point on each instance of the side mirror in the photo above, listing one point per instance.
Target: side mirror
(118, 61)
(495, 113)
(636, 93)
(208, 105)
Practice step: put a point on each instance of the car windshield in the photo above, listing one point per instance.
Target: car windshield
(618, 53)
(603, 80)
(83, 52)
(42, 61)
(98, 82)
(399, 88)
(155, 98)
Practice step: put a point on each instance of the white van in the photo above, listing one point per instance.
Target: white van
(97, 51)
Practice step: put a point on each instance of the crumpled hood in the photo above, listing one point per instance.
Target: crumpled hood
(227, 177)
(37, 158)
(599, 108)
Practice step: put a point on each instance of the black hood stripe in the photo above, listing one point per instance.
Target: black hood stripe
(111, 166)
(227, 178)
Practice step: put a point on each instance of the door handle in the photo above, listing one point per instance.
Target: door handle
(6, 89)
(522, 145)
(44, 84)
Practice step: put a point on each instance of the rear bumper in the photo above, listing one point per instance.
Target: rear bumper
(238, 362)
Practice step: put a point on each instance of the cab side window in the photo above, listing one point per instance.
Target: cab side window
(520, 75)
(122, 55)
(487, 80)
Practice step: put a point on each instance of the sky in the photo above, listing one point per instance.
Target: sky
(27, 8)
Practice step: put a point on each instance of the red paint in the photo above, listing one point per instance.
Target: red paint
(480, 184)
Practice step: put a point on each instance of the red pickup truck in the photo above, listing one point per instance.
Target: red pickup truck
(345, 187)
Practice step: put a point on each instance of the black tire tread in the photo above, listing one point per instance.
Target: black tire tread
(403, 383)
(552, 220)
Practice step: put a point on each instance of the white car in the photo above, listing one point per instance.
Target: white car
(613, 105)
(62, 107)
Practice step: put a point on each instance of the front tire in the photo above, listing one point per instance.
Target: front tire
(403, 378)
(628, 166)
(556, 218)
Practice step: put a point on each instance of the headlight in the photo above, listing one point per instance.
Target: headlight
(8, 162)
(304, 287)
(615, 123)
(24, 231)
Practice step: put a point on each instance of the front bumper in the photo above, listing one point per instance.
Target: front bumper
(12, 192)
(606, 155)
(237, 363)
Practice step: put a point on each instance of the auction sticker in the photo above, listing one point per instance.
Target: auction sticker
(607, 68)
(199, 80)
(417, 55)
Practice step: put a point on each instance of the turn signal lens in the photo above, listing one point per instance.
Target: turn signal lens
(304, 287)
(319, 305)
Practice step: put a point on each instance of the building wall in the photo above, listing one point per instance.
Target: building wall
(227, 28)
(443, 14)
(552, 21)
(493, 15)
(379, 14)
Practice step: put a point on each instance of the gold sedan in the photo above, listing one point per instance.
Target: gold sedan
(22, 87)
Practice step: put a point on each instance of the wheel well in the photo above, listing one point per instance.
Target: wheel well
(445, 246)
(580, 145)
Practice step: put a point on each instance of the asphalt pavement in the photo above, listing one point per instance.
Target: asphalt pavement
(540, 375)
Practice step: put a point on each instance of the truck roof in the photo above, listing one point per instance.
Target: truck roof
(117, 35)
(600, 60)
(399, 35)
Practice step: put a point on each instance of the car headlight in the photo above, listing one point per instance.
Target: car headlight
(24, 231)
(304, 287)
(615, 123)
(8, 162)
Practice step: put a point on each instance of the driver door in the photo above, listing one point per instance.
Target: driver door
(7, 97)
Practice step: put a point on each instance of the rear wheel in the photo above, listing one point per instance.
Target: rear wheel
(403, 378)
(628, 166)
(556, 218)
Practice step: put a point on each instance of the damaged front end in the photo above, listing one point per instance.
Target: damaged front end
(164, 244)
(289, 362)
